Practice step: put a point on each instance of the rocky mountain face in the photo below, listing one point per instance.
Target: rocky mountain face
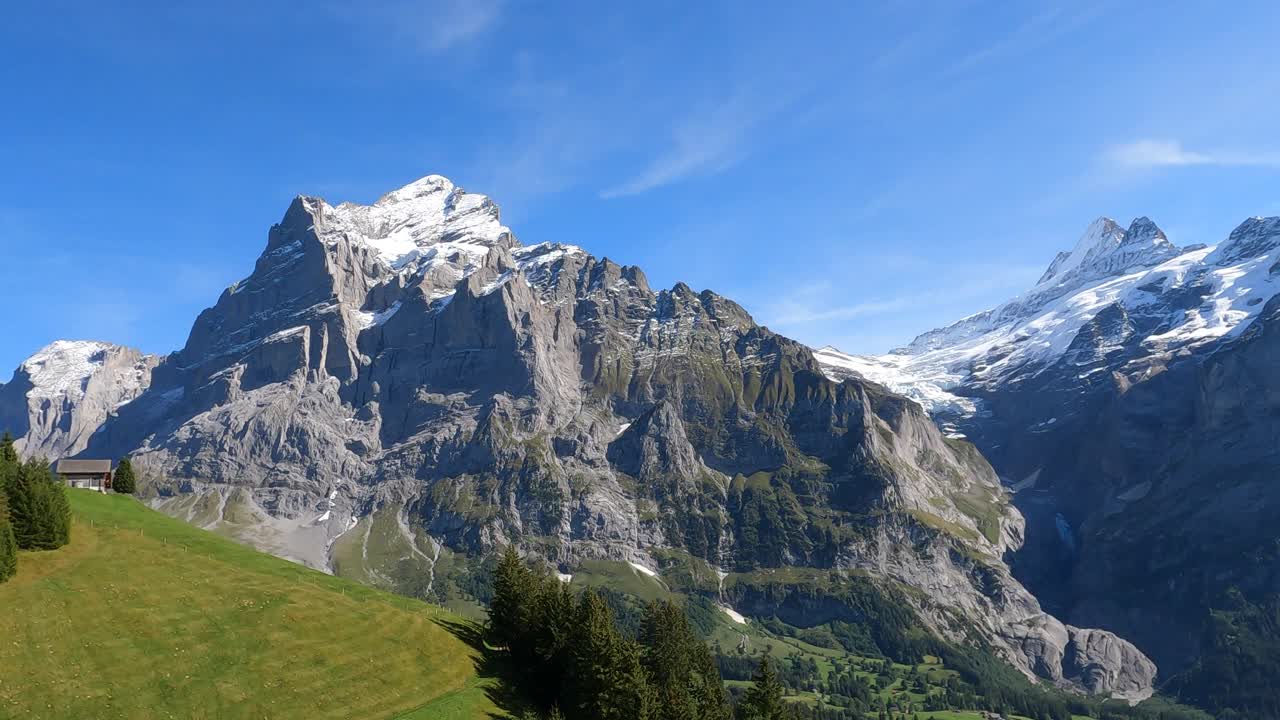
(61, 395)
(401, 387)
(1129, 402)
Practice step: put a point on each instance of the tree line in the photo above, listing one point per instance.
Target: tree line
(34, 511)
(574, 663)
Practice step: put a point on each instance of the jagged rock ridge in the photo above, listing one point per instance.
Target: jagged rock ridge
(409, 374)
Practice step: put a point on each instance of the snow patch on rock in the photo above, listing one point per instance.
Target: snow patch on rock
(734, 615)
(642, 569)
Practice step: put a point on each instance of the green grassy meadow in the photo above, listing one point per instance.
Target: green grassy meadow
(143, 616)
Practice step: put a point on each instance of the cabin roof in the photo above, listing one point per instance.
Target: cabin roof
(86, 467)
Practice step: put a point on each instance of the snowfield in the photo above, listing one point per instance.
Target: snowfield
(1136, 271)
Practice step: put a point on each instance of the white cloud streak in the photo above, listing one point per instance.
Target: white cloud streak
(1032, 34)
(1152, 154)
(452, 22)
(434, 26)
(710, 140)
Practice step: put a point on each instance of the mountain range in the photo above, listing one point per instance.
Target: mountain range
(398, 388)
(1129, 402)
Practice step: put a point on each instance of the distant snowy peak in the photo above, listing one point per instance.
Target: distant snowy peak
(62, 393)
(423, 220)
(62, 368)
(1106, 250)
(1117, 299)
(1103, 252)
(1252, 238)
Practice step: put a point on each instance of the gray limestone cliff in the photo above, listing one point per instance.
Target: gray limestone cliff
(401, 386)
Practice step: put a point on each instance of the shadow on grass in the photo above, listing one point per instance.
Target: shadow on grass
(490, 664)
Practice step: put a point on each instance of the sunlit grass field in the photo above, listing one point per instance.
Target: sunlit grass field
(143, 616)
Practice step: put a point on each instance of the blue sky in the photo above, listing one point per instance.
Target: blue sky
(853, 173)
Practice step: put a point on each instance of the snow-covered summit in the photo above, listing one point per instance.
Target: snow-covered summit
(428, 218)
(61, 368)
(64, 391)
(1106, 249)
(1166, 299)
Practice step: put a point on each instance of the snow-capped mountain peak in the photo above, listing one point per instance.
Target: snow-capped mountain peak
(1143, 233)
(1162, 300)
(430, 216)
(59, 395)
(1252, 238)
(1106, 249)
(62, 367)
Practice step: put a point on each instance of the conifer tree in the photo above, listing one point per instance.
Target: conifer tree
(685, 680)
(48, 512)
(607, 680)
(8, 463)
(38, 508)
(8, 453)
(763, 700)
(124, 480)
(8, 545)
(513, 591)
(60, 507)
(23, 508)
(546, 651)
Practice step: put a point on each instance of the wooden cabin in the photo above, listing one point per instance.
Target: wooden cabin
(89, 474)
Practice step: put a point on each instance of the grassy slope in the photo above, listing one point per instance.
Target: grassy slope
(145, 616)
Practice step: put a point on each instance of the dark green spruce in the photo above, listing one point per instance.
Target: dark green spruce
(38, 507)
(8, 545)
(124, 481)
(763, 700)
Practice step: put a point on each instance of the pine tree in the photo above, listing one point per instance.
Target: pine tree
(607, 681)
(8, 453)
(8, 464)
(684, 675)
(53, 509)
(547, 645)
(124, 481)
(23, 508)
(8, 545)
(512, 595)
(38, 508)
(60, 507)
(763, 700)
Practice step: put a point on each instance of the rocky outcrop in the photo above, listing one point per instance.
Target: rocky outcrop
(405, 382)
(61, 395)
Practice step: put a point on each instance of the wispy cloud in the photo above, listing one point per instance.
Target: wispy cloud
(808, 308)
(710, 140)
(447, 23)
(1150, 154)
(1032, 33)
(433, 26)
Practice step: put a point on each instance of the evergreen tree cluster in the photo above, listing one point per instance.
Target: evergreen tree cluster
(34, 512)
(575, 662)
